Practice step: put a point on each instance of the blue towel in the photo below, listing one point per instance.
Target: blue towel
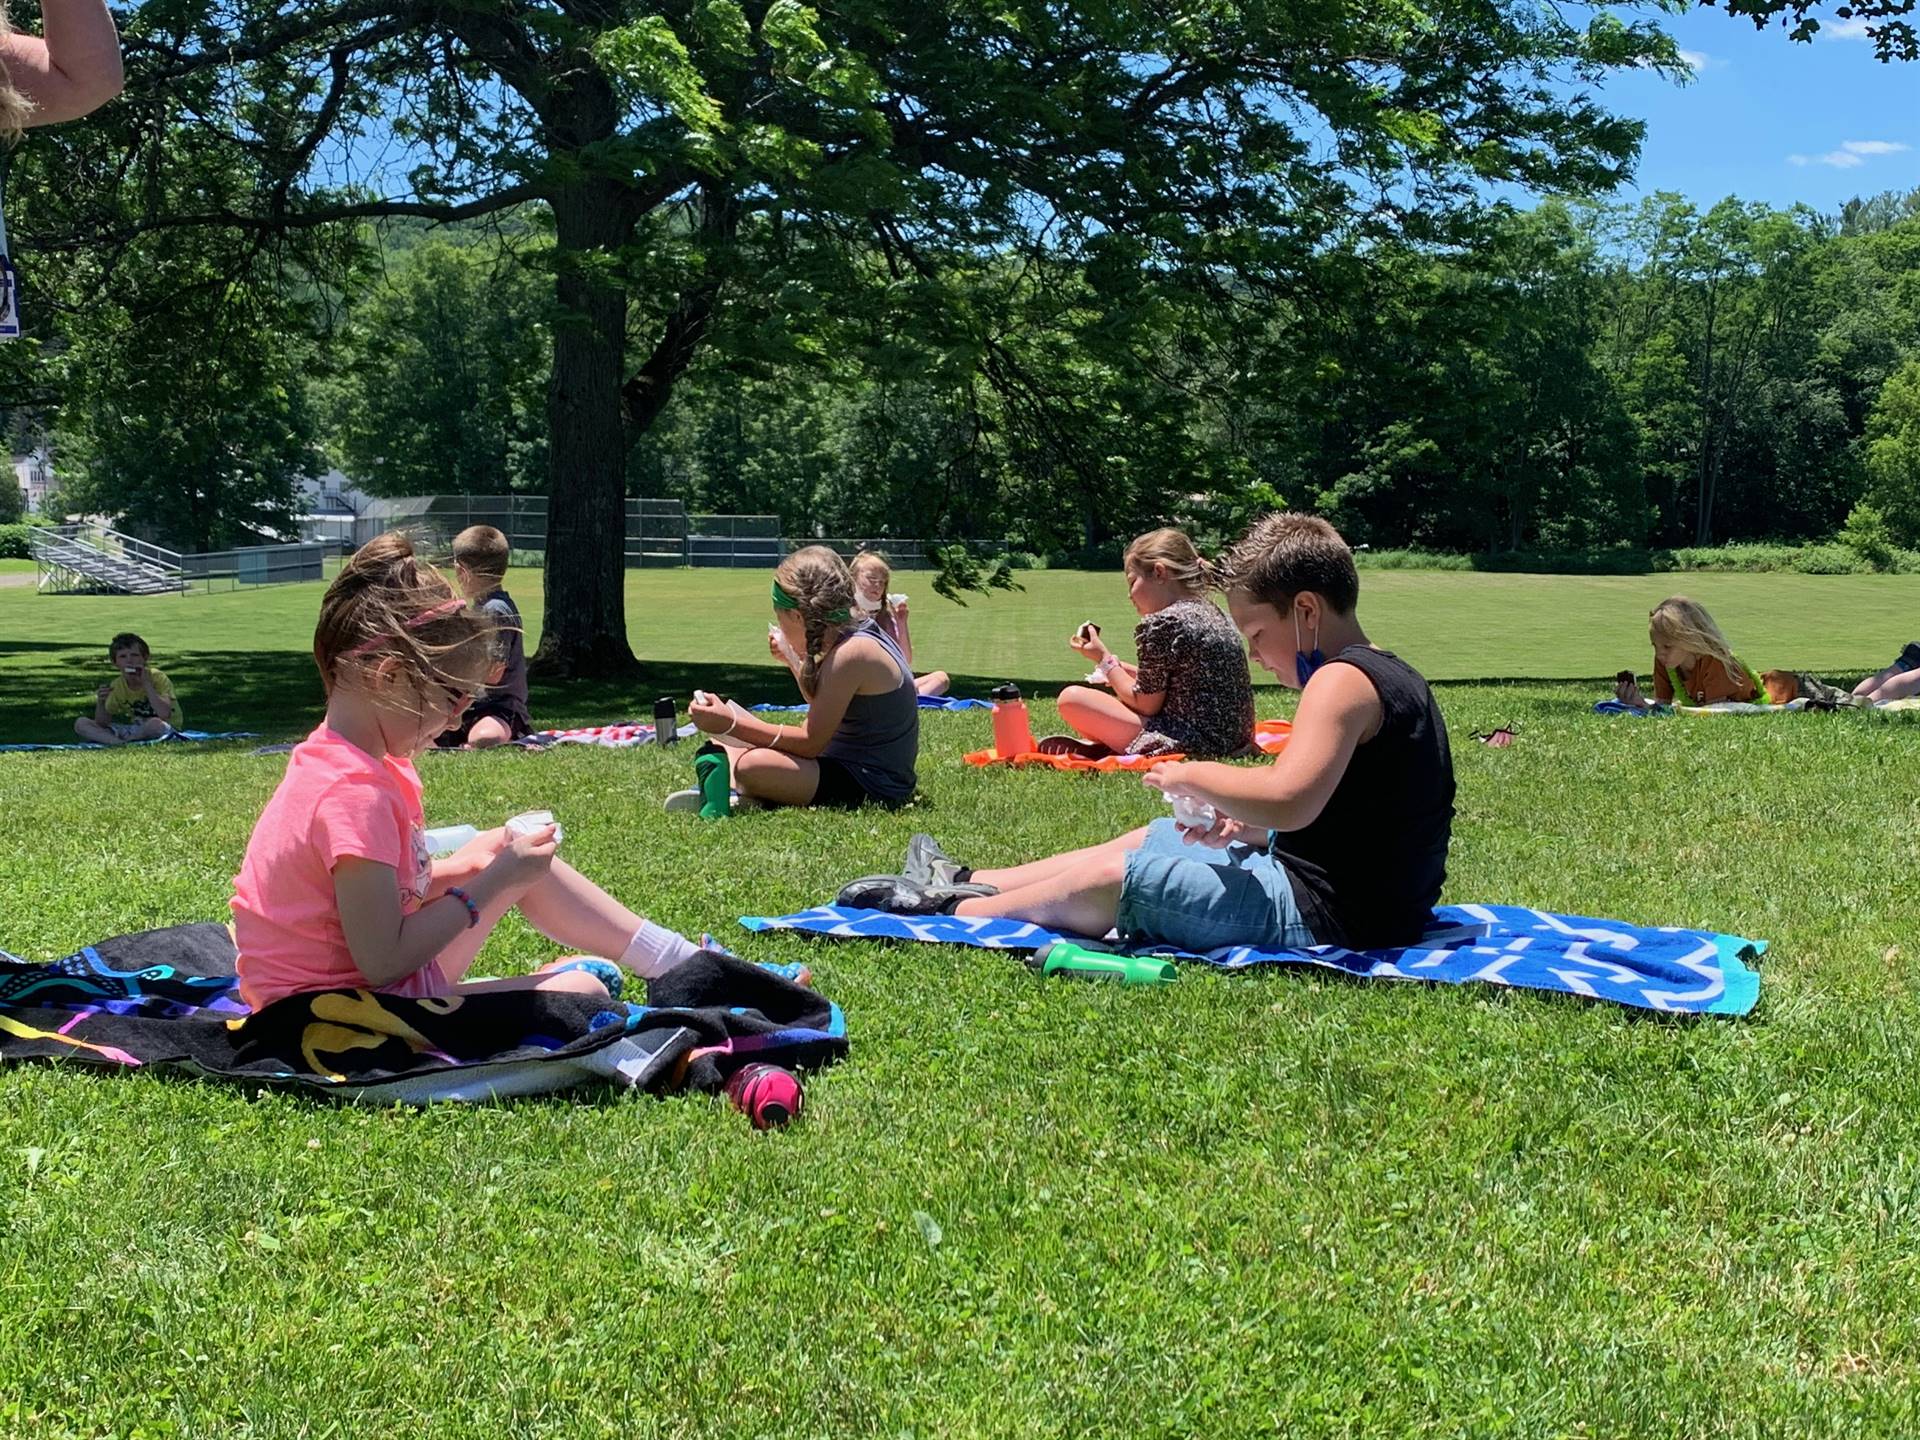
(927, 702)
(1693, 972)
(168, 738)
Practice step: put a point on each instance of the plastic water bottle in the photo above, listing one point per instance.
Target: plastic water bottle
(1192, 814)
(1012, 728)
(1063, 957)
(449, 838)
(715, 782)
(768, 1095)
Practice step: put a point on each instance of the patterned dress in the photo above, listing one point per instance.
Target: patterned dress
(1192, 653)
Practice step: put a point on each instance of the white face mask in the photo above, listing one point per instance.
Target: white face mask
(870, 607)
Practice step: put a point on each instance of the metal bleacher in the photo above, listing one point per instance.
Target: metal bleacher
(85, 557)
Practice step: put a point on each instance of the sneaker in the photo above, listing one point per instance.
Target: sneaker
(898, 895)
(927, 864)
(1073, 745)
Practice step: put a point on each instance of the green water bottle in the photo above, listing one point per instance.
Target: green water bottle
(716, 784)
(1063, 957)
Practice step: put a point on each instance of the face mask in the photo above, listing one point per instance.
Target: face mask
(1304, 663)
(867, 607)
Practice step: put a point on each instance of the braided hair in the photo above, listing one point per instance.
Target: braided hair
(822, 589)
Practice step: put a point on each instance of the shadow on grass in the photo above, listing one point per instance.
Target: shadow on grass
(277, 692)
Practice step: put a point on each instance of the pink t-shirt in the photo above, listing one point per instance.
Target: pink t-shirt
(335, 800)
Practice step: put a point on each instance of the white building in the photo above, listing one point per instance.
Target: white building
(332, 494)
(34, 474)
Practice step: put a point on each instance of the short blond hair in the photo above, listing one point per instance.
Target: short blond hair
(483, 550)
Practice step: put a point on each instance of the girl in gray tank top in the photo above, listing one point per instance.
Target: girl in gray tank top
(860, 741)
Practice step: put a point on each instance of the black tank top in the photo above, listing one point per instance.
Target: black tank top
(1367, 872)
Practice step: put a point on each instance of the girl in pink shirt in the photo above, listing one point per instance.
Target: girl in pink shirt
(337, 890)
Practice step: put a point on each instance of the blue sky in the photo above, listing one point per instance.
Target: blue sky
(1769, 119)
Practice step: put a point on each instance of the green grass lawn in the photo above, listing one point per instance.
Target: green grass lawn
(241, 659)
(1273, 1204)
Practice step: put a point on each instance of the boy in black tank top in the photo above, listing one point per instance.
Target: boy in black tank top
(1341, 841)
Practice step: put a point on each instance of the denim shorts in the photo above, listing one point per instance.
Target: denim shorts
(1202, 899)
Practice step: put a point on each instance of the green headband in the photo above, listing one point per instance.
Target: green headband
(783, 601)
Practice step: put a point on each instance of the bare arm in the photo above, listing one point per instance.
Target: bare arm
(74, 69)
(902, 636)
(161, 705)
(852, 664)
(388, 945)
(1339, 711)
(1125, 682)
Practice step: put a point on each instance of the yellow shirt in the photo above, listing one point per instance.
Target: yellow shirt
(125, 699)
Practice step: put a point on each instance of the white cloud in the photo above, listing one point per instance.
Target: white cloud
(1851, 155)
(1696, 59)
(1854, 29)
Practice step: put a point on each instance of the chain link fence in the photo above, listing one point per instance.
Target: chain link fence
(658, 532)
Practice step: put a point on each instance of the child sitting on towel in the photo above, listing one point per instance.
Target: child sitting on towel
(871, 576)
(499, 713)
(1342, 840)
(1190, 692)
(138, 704)
(1691, 661)
(861, 739)
(337, 890)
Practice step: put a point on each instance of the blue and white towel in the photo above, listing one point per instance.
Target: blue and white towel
(927, 702)
(168, 738)
(1691, 972)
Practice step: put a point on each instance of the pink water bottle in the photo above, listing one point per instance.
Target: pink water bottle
(768, 1095)
(1012, 730)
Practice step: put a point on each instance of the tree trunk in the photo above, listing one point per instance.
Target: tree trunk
(1703, 506)
(584, 633)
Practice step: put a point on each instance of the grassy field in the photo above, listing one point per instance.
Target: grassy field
(1279, 1204)
(241, 659)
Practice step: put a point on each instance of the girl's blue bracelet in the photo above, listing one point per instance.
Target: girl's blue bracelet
(473, 910)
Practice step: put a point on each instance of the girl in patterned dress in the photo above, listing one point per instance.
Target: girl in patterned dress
(1189, 691)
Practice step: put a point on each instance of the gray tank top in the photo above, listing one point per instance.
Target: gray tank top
(879, 736)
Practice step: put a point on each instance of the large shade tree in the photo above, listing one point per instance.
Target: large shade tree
(827, 180)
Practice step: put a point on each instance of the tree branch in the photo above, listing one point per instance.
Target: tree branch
(325, 215)
(645, 393)
(270, 44)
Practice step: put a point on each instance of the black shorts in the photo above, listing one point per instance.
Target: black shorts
(840, 788)
(505, 711)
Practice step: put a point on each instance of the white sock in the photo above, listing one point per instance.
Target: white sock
(655, 949)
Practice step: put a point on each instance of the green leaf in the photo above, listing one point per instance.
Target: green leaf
(653, 62)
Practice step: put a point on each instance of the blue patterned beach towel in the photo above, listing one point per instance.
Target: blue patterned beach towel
(166, 739)
(927, 702)
(1691, 972)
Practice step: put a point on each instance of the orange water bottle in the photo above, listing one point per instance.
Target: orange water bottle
(1012, 730)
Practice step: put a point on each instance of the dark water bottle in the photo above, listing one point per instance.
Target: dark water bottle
(666, 720)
